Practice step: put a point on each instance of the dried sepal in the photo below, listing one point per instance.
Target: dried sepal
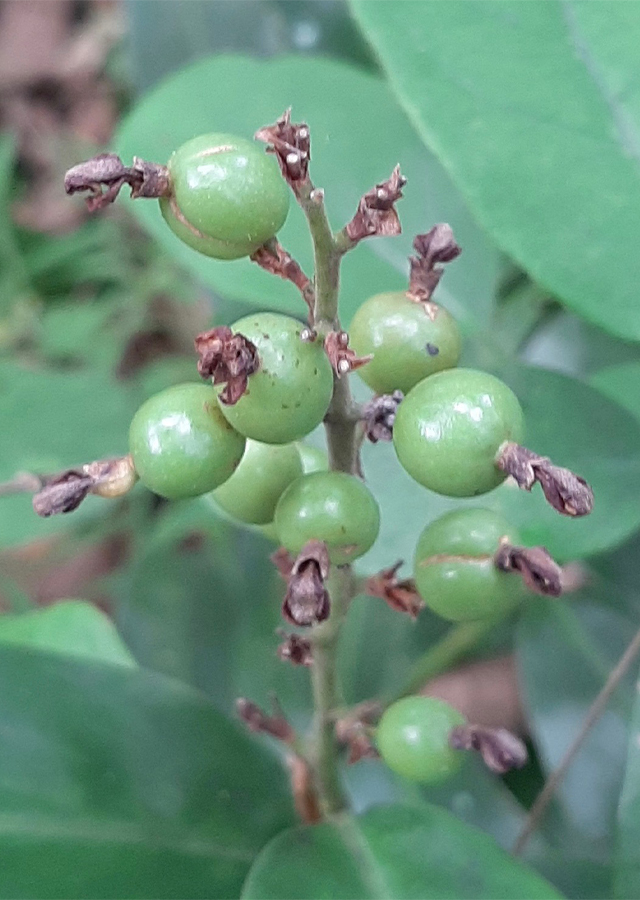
(303, 789)
(227, 358)
(273, 258)
(257, 720)
(379, 416)
(376, 215)
(501, 750)
(283, 561)
(342, 359)
(296, 650)
(64, 492)
(433, 249)
(535, 565)
(306, 601)
(401, 595)
(354, 731)
(567, 492)
(104, 175)
(291, 145)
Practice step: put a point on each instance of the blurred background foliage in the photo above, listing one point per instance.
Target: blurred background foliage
(516, 123)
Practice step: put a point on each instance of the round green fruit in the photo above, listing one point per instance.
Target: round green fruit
(413, 739)
(290, 393)
(227, 196)
(252, 492)
(449, 430)
(454, 569)
(406, 343)
(181, 444)
(312, 459)
(332, 507)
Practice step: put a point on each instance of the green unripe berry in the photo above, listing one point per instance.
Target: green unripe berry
(406, 343)
(181, 444)
(227, 196)
(332, 507)
(454, 569)
(252, 492)
(290, 393)
(313, 460)
(413, 739)
(449, 430)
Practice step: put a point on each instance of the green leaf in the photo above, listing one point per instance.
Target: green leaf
(622, 384)
(534, 110)
(52, 421)
(116, 782)
(347, 161)
(627, 868)
(72, 627)
(565, 655)
(201, 601)
(391, 852)
(570, 422)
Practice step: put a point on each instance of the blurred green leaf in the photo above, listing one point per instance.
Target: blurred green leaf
(565, 654)
(347, 161)
(391, 852)
(201, 601)
(52, 421)
(534, 109)
(570, 422)
(622, 384)
(116, 782)
(627, 870)
(72, 627)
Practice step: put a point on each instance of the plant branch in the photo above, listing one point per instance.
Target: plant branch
(595, 711)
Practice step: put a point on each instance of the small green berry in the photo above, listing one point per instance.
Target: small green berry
(413, 739)
(449, 429)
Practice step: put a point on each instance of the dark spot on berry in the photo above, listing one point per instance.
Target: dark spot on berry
(431, 349)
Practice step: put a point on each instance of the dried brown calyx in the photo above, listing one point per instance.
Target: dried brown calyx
(537, 568)
(296, 650)
(273, 258)
(400, 594)
(568, 493)
(501, 750)
(65, 492)
(291, 145)
(433, 249)
(354, 731)
(257, 720)
(379, 416)
(104, 175)
(377, 215)
(227, 358)
(342, 359)
(306, 601)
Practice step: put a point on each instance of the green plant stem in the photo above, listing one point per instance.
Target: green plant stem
(342, 440)
(443, 655)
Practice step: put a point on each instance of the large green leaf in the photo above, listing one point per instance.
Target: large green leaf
(116, 782)
(627, 870)
(565, 655)
(200, 600)
(534, 109)
(622, 384)
(52, 421)
(391, 852)
(570, 422)
(72, 627)
(239, 95)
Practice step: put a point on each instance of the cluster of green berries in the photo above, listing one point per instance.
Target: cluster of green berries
(226, 199)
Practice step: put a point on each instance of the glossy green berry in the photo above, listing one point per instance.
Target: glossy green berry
(289, 394)
(252, 492)
(449, 430)
(332, 507)
(227, 196)
(181, 444)
(406, 342)
(454, 569)
(413, 739)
